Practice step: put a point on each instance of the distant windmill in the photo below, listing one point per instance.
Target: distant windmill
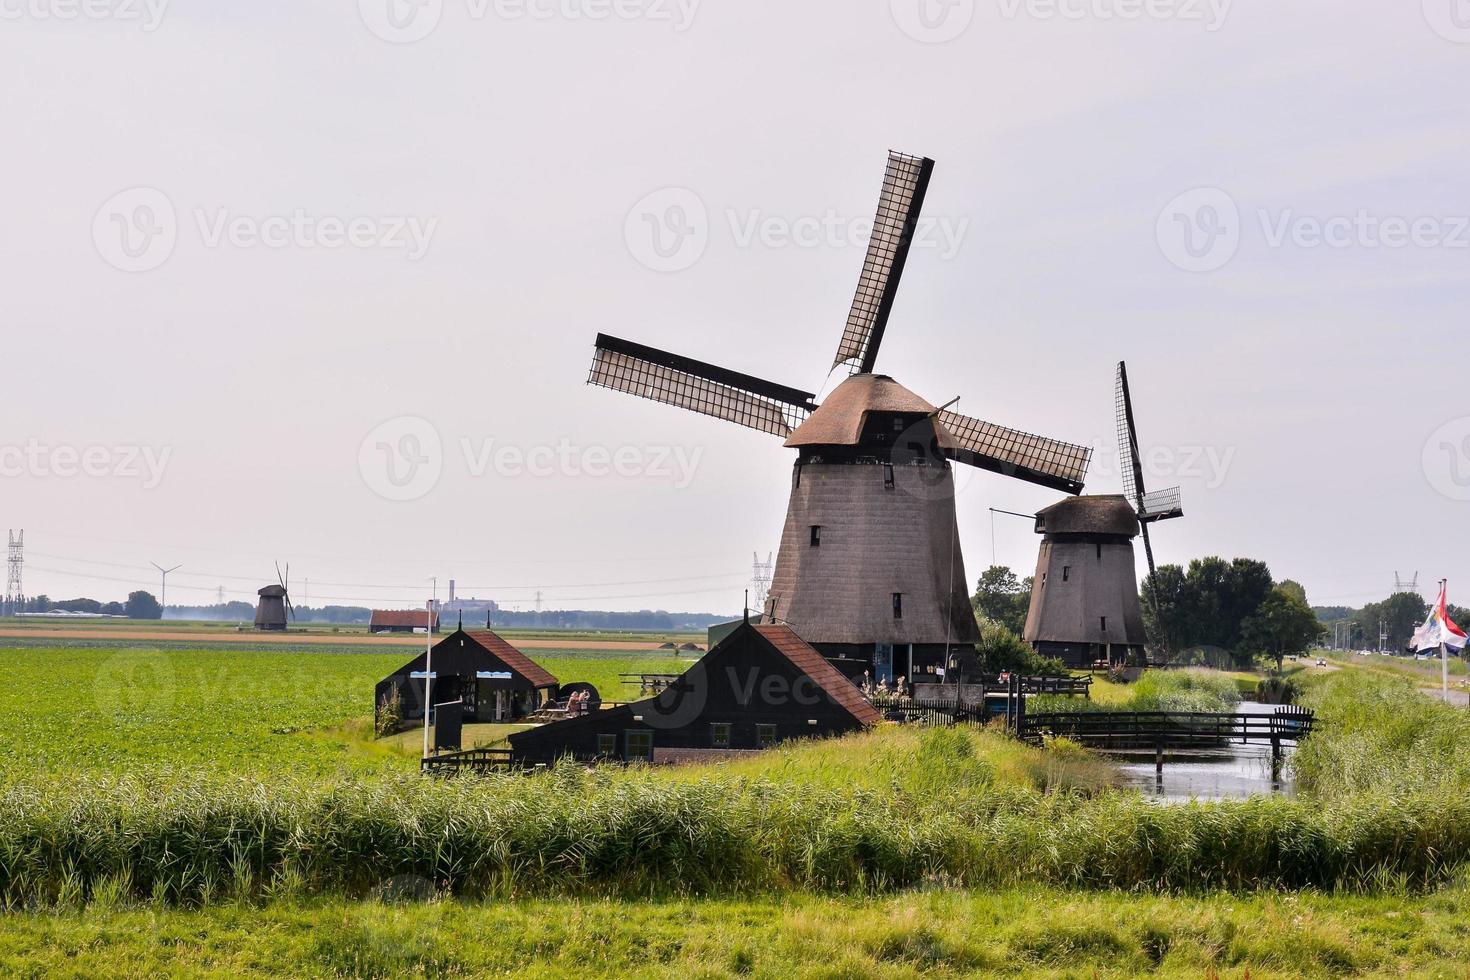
(1085, 608)
(275, 603)
(869, 570)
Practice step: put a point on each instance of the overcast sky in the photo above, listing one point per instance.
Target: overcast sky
(269, 265)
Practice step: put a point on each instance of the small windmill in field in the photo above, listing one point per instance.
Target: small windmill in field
(275, 603)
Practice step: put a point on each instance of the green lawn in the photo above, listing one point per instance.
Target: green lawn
(933, 933)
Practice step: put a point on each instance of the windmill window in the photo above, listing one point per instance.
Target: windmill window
(607, 746)
(898, 423)
(887, 476)
(816, 535)
(1099, 551)
(719, 735)
(1066, 573)
(898, 605)
(765, 735)
(1043, 579)
(1105, 624)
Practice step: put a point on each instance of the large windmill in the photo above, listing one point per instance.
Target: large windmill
(1084, 597)
(275, 603)
(869, 570)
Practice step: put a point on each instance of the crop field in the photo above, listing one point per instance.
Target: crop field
(99, 709)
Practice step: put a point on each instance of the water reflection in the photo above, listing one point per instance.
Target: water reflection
(1234, 772)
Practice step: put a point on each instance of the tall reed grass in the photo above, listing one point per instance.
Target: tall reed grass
(573, 832)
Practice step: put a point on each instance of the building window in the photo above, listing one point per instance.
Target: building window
(607, 746)
(898, 423)
(1099, 551)
(719, 735)
(765, 735)
(816, 535)
(887, 476)
(898, 605)
(1066, 572)
(639, 745)
(1105, 624)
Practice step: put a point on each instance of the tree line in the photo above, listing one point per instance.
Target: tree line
(1225, 612)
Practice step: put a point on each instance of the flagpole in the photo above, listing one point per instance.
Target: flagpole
(1444, 656)
(428, 665)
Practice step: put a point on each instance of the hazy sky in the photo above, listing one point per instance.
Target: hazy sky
(245, 246)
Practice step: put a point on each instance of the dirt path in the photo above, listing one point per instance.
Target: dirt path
(304, 639)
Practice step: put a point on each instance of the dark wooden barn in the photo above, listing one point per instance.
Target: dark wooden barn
(402, 621)
(1084, 600)
(495, 681)
(760, 686)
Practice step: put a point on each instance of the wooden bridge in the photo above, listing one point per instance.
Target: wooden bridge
(1174, 729)
(1165, 731)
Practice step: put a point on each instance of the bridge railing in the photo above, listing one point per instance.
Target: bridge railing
(472, 760)
(1145, 729)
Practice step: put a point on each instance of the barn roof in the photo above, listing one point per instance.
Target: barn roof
(805, 658)
(514, 659)
(839, 419)
(1093, 514)
(401, 617)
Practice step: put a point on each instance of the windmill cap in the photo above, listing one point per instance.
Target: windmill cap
(838, 421)
(1093, 514)
(272, 590)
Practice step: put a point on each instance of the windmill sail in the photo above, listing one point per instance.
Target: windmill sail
(1160, 505)
(904, 184)
(699, 387)
(1035, 459)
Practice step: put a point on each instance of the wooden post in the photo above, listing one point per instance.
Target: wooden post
(1275, 758)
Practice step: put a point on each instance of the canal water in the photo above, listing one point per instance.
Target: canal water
(1234, 772)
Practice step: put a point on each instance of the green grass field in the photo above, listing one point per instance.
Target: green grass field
(225, 710)
(224, 811)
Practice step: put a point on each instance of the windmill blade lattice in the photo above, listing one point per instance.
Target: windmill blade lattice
(1033, 458)
(704, 388)
(905, 183)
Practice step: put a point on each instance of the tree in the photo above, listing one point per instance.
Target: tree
(1398, 616)
(1205, 606)
(1003, 598)
(114, 609)
(1296, 589)
(142, 605)
(1283, 626)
